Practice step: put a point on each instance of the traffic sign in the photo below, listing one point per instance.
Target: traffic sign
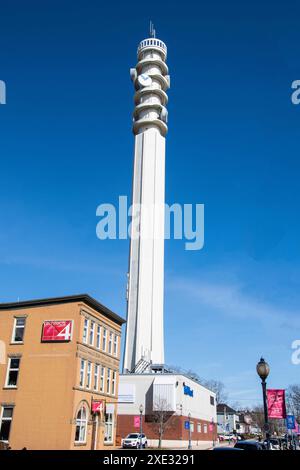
(290, 422)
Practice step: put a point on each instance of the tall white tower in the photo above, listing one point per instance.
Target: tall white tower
(145, 293)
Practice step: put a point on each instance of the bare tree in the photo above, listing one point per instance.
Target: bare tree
(276, 426)
(235, 405)
(162, 418)
(190, 373)
(258, 417)
(293, 400)
(218, 388)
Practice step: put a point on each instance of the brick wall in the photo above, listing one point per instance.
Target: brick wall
(173, 431)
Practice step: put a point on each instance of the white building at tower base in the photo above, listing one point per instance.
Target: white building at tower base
(176, 394)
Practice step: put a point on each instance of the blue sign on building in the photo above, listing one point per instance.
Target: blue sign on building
(188, 391)
(186, 425)
(290, 422)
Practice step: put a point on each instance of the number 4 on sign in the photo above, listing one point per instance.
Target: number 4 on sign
(65, 333)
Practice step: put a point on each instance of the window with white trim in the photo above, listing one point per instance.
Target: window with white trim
(92, 333)
(205, 428)
(96, 376)
(192, 426)
(81, 425)
(108, 380)
(113, 382)
(109, 426)
(5, 422)
(199, 427)
(98, 337)
(82, 372)
(18, 331)
(110, 342)
(85, 330)
(102, 379)
(104, 339)
(116, 345)
(13, 368)
(88, 374)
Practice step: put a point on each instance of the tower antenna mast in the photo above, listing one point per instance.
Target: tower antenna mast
(152, 30)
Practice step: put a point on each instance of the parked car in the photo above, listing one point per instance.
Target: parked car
(227, 437)
(226, 448)
(274, 444)
(250, 445)
(133, 440)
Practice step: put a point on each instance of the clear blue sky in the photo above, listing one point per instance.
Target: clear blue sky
(233, 144)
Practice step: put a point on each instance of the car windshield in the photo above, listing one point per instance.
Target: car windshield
(132, 436)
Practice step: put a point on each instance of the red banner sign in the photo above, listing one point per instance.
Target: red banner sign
(97, 406)
(136, 422)
(58, 330)
(276, 404)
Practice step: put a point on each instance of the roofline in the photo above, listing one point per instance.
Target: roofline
(168, 374)
(87, 299)
(229, 410)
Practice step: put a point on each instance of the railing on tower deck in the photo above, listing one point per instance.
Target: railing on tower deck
(152, 42)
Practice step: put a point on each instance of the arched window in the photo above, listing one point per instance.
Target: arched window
(81, 425)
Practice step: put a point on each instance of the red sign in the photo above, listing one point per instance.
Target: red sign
(276, 403)
(136, 422)
(57, 330)
(97, 406)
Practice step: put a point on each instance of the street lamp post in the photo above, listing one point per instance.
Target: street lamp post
(190, 434)
(141, 426)
(263, 371)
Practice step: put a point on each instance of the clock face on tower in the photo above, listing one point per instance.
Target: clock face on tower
(144, 80)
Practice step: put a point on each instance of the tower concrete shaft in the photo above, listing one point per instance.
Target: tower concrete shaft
(145, 291)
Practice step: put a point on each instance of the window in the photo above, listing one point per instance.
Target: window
(12, 372)
(18, 331)
(92, 333)
(88, 375)
(108, 432)
(212, 400)
(115, 345)
(82, 372)
(110, 341)
(96, 377)
(81, 425)
(108, 380)
(104, 339)
(85, 330)
(102, 379)
(113, 383)
(5, 422)
(192, 426)
(199, 427)
(98, 337)
(205, 428)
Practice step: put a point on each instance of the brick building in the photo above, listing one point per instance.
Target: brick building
(59, 357)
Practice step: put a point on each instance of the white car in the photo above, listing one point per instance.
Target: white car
(227, 437)
(133, 440)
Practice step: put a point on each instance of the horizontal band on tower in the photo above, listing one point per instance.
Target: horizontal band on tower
(150, 89)
(152, 61)
(151, 123)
